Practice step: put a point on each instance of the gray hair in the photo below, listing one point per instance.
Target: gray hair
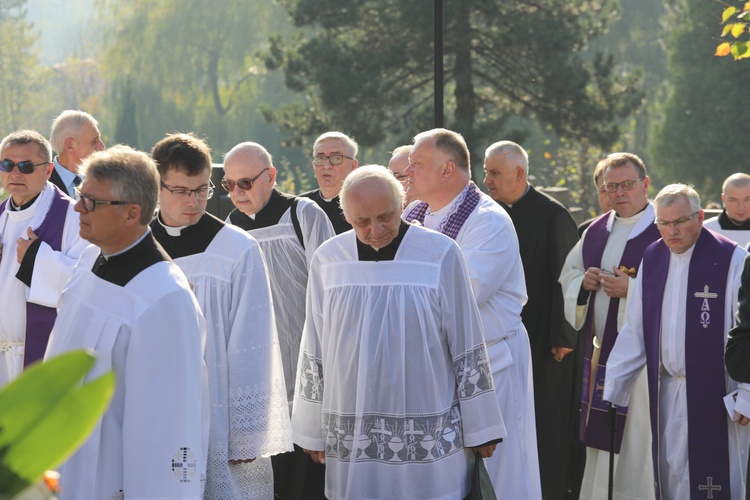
(449, 142)
(21, 137)
(401, 150)
(617, 160)
(249, 149)
(350, 143)
(367, 172)
(674, 192)
(738, 180)
(133, 176)
(510, 148)
(69, 124)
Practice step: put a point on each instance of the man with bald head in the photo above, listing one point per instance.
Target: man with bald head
(397, 164)
(395, 389)
(74, 136)
(289, 229)
(546, 233)
(734, 221)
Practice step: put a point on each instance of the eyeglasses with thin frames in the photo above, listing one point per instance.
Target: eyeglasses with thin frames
(243, 184)
(25, 167)
(201, 193)
(611, 187)
(334, 160)
(90, 203)
(677, 222)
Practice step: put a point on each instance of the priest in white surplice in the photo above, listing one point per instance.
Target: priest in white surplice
(734, 221)
(596, 279)
(226, 270)
(289, 229)
(39, 245)
(440, 176)
(680, 311)
(131, 304)
(394, 385)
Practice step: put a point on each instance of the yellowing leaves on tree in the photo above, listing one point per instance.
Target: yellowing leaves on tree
(728, 12)
(746, 7)
(738, 29)
(723, 50)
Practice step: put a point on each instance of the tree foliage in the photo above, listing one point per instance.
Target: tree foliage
(366, 67)
(700, 138)
(736, 23)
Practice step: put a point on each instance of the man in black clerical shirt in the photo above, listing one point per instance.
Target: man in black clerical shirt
(334, 157)
(546, 233)
(734, 221)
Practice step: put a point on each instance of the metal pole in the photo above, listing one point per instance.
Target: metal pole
(438, 79)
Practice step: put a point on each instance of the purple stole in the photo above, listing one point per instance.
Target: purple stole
(708, 449)
(452, 224)
(39, 319)
(595, 432)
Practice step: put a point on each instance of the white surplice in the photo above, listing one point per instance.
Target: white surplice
(150, 442)
(249, 410)
(628, 358)
(633, 469)
(489, 244)
(742, 238)
(393, 379)
(288, 265)
(51, 271)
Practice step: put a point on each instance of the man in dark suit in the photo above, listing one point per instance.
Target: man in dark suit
(74, 136)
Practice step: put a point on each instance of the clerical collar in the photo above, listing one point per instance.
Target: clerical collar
(122, 267)
(729, 225)
(16, 208)
(189, 240)
(528, 187)
(270, 215)
(367, 253)
(328, 200)
(171, 231)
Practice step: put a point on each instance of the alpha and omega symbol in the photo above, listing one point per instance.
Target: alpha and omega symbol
(705, 308)
(184, 465)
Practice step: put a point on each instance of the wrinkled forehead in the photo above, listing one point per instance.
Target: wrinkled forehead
(331, 146)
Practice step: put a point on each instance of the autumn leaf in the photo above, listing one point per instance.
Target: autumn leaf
(738, 29)
(723, 50)
(741, 50)
(728, 12)
(746, 7)
(727, 29)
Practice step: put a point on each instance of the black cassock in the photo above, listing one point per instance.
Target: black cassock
(546, 234)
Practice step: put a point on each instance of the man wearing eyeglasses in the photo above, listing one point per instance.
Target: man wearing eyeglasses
(397, 164)
(734, 221)
(39, 247)
(289, 229)
(334, 157)
(74, 136)
(224, 264)
(679, 313)
(129, 302)
(595, 279)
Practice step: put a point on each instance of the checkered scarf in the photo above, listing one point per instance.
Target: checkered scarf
(460, 211)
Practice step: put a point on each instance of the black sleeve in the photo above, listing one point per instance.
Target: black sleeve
(737, 356)
(26, 271)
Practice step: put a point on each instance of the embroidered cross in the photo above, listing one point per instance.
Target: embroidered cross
(410, 432)
(705, 308)
(381, 440)
(705, 294)
(710, 488)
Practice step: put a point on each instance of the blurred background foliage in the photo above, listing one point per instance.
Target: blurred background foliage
(571, 80)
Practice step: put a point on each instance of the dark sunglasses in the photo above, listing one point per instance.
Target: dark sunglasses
(25, 167)
(243, 184)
